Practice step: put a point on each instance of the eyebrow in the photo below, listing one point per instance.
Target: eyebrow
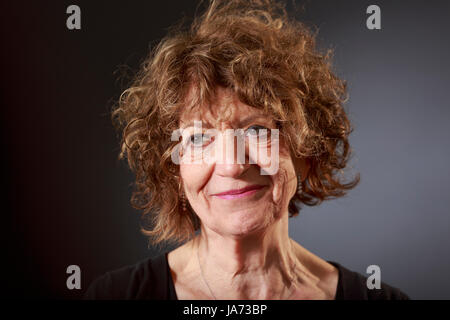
(242, 123)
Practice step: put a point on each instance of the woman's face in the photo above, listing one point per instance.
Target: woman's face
(204, 182)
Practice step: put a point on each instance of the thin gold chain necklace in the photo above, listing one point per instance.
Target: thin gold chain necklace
(206, 282)
(203, 277)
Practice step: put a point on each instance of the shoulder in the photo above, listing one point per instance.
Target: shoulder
(146, 279)
(353, 286)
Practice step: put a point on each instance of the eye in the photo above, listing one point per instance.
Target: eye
(199, 139)
(257, 131)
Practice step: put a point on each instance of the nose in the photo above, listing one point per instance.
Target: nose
(231, 170)
(232, 161)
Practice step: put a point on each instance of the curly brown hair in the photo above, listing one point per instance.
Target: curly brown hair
(271, 62)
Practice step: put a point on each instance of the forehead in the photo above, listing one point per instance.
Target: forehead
(225, 107)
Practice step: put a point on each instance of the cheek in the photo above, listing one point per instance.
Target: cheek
(285, 183)
(194, 177)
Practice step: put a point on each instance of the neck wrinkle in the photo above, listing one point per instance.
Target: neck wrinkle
(265, 261)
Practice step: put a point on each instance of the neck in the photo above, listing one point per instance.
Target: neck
(260, 264)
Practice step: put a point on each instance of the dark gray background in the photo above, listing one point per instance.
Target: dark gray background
(67, 197)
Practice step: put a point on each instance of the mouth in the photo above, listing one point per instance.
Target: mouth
(239, 193)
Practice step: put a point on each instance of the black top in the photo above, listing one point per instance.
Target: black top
(151, 279)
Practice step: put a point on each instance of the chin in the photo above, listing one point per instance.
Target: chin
(247, 222)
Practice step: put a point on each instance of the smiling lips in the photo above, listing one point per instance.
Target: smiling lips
(239, 193)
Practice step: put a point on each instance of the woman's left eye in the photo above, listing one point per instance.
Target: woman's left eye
(257, 130)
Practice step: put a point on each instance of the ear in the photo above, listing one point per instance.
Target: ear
(302, 167)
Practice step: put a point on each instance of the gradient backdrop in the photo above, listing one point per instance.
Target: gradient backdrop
(66, 197)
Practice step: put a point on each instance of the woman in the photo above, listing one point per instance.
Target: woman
(243, 71)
